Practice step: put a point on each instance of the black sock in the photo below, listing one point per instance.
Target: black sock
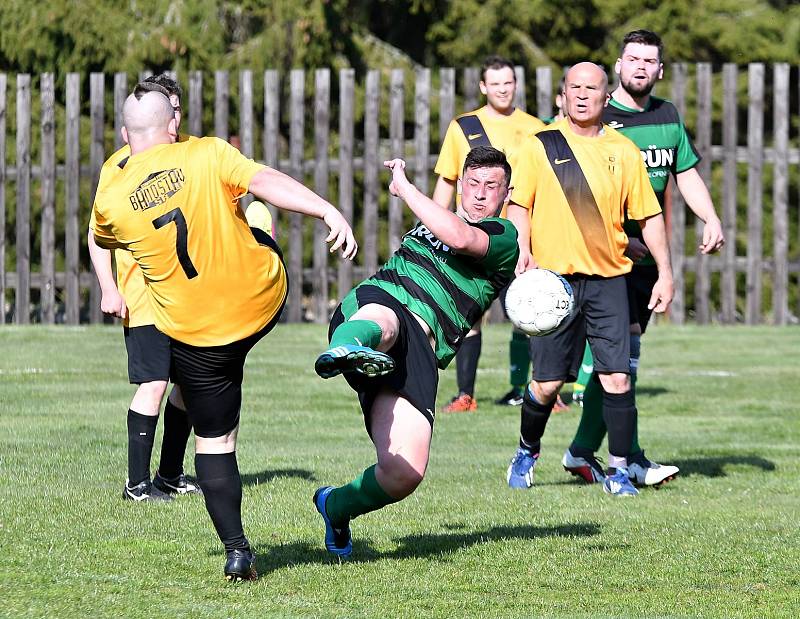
(173, 447)
(533, 423)
(218, 476)
(141, 434)
(619, 413)
(467, 363)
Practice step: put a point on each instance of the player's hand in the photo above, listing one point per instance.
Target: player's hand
(525, 262)
(112, 303)
(713, 239)
(341, 235)
(399, 180)
(636, 250)
(661, 296)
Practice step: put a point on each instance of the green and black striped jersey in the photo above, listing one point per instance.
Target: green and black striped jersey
(449, 291)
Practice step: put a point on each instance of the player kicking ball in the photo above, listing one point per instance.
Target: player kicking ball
(392, 331)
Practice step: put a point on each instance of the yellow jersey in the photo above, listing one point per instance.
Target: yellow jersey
(506, 133)
(174, 207)
(578, 190)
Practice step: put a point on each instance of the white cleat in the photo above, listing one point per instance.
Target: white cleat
(644, 472)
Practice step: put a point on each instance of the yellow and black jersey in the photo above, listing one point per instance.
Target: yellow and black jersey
(505, 133)
(579, 190)
(130, 281)
(175, 208)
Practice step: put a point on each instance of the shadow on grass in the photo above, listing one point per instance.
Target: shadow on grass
(254, 479)
(432, 545)
(651, 392)
(714, 466)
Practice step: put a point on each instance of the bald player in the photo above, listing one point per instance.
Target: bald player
(216, 286)
(577, 181)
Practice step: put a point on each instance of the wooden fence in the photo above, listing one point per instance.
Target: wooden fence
(341, 159)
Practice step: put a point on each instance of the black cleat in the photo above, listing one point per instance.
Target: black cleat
(182, 484)
(240, 565)
(144, 491)
(512, 398)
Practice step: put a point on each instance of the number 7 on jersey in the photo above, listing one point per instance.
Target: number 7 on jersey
(181, 238)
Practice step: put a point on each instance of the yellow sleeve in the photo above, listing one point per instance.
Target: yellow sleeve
(449, 163)
(641, 201)
(234, 169)
(524, 176)
(103, 234)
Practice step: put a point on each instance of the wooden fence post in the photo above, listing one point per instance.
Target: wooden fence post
(702, 282)
(294, 311)
(372, 95)
(196, 103)
(472, 77)
(72, 188)
(422, 128)
(222, 90)
(346, 128)
(3, 109)
(780, 195)
(246, 122)
(447, 99)
(544, 92)
(755, 168)
(48, 233)
(729, 183)
(23, 165)
(519, 91)
(120, 94)
(271, 137)
(678, 228)
(322, 129)
(396, 137)
(97, 156)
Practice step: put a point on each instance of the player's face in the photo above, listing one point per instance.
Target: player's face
(483, 192)
(499, 86)
(585, 94)
(639, 68)
(176, 105)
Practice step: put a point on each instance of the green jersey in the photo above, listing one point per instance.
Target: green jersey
(448, 290)
(662, 138)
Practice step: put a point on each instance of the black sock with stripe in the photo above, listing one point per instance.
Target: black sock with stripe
(141, 434)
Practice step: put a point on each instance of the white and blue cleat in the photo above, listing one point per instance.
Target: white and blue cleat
(353, 358)
(619, 484)
(520, 471)
(337, 540)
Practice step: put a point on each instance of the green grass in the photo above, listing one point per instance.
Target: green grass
(722, 540)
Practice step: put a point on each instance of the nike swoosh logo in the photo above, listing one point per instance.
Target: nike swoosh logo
(474, 136)
(587, 368)
(560, 161)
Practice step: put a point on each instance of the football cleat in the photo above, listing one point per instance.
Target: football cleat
(619, 484)
(240, 565)
(337, 540)
(644, 472)
(182, 484)
(520, 471)
(144, 491)
(462, 403)
(512, 398)
(587, 468)
(352, 358)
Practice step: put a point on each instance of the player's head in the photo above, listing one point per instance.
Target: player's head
(173, 89)
(485, 183)
(498, 83)
(148, 119)
(640, 64)
(585, 93)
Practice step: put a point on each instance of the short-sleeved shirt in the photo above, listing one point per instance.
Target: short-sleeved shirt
(447, 290)
(175, 208)
(506, 133)
(579, 190)
(130, 281)
(663, 140)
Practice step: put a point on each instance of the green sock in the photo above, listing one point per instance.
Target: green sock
(583, 375)
(519, 359)
(360, 496)
(592, 428)
(361, 332)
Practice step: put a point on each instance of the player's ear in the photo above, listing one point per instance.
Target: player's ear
(608, 98)
(458, 186)
(172, 129)
(617, 65)
(124, 133)
(507, 199)
(482, 86)
(660, 70)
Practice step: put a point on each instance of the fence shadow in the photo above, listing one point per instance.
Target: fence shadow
(254, 479)
(274, 557)
(714, 466)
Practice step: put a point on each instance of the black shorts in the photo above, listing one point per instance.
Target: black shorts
(601, 317)
(640, 282)
(416, 374)
(148, 354)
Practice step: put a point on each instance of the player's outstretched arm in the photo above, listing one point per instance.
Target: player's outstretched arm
(654, 233)
(111, 301)
(448, 227)
(521, 218)
(286, 193)
(695, 192)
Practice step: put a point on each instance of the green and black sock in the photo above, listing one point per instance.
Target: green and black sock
(359, 332)
(361, 496)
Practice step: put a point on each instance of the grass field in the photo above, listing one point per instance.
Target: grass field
(723, 540)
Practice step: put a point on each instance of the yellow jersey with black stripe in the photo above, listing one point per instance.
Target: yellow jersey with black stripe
(175, 208)
(130, 281)
(578, 190)
(506, 133)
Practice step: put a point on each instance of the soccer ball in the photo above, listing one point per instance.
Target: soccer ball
(538, 301)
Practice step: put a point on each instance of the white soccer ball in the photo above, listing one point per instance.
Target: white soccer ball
(538, 301)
